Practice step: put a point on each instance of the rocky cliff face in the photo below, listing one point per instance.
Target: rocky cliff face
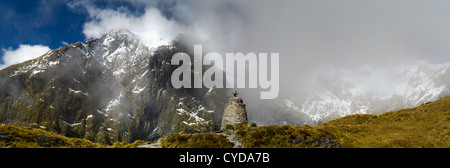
(109, 89)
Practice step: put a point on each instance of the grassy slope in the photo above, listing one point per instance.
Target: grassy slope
(25, 137)
(426, 125)
(184, 140)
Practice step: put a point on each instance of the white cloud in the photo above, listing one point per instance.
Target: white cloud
(23, 53)
(306, 34)
(312, 37)
(153, 28)
(64, 43)
(217, 25)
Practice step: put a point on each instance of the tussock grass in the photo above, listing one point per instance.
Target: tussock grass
(25, 137)
(184, 140)
(284, 136)
(424, 126)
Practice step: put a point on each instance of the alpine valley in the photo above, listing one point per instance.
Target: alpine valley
(115, 88)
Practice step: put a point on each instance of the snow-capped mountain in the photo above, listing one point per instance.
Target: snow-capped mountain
(360, 91)
(109, 89)
(115, 88)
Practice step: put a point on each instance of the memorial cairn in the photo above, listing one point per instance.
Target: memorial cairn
(234, 113)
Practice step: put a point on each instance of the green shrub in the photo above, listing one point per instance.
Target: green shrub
(229, 127)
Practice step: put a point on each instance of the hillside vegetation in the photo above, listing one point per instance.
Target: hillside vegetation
(25, 137)
(184, 140)
(424, 126)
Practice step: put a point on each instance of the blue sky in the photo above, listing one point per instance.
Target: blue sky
(345, 34)
(311, 36)
(49, 23)
(28, 28)
(38, 22)
(46, 22)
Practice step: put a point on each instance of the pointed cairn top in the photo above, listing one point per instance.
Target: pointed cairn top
(235, 93)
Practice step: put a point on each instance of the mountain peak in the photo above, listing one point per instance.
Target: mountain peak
(110, 89)
(120, 32)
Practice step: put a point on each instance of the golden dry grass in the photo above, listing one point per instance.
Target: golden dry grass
(424, 126)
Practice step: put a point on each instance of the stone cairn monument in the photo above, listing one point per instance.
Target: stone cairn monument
(234, 113)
